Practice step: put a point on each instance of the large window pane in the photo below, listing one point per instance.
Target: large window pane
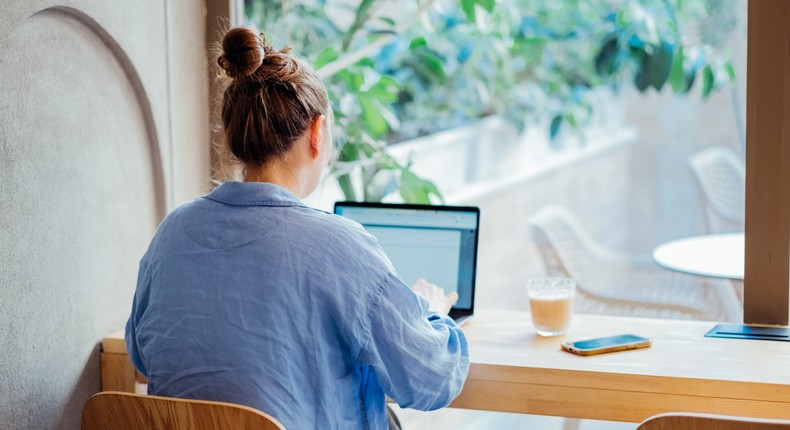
(590, 132)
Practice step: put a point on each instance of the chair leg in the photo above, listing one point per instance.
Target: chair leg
(571, 424)
(732, 301)
(737, 285)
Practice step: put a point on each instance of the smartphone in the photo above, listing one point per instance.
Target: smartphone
(603, 345)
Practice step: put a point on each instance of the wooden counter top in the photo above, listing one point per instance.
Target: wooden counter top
(515, 370)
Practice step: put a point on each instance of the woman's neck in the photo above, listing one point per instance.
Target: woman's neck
(276, 173)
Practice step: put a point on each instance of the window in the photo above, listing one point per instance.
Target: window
(619, 160)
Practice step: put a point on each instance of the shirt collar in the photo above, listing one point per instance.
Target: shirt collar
(253, 194)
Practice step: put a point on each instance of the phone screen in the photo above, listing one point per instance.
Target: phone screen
(604, 342)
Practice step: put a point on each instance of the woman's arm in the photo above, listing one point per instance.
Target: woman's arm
(421, 358)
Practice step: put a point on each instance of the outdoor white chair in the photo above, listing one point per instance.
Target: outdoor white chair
(610, 282)
(721, 176)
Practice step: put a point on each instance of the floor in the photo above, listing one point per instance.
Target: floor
(460, 419)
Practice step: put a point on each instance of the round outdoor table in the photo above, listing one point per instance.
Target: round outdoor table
(715, 255)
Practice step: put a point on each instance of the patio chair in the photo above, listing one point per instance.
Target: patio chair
(721, 177)
(610, 282)
(689, 421)
(110, 410)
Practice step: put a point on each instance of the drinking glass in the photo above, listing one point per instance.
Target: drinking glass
(551, 304)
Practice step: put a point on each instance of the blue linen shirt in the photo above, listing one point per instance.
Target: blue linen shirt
(246, 295)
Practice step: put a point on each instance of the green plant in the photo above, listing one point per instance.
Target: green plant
(362, 98)
(452, 61)
(539, 58)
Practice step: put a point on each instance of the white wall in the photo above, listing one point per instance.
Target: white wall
(103, 129)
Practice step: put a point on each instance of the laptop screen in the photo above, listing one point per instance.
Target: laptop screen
(438, 243)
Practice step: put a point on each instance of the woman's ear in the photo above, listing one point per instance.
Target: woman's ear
(316, 136)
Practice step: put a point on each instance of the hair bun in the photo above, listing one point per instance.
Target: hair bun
(243, 51)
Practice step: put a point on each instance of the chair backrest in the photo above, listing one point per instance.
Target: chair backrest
(689, 421)
(721, 176)
(608, 281)
(112, 410)
(564, 245)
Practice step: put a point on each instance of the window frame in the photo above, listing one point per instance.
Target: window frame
(767, 227)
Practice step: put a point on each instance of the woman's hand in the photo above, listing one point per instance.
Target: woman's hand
(437, 301)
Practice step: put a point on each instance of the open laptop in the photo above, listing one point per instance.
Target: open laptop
(438, 243)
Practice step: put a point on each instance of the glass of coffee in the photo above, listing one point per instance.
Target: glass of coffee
(551, 304)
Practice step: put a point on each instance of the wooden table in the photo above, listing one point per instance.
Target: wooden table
(117, 370)
(715, 255)
(514, 370)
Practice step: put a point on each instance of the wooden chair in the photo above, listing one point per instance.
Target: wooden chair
(689, 421)
(112, 410)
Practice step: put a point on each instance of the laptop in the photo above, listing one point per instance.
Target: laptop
(438, 243)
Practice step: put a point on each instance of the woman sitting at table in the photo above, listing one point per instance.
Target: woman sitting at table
(247, 295)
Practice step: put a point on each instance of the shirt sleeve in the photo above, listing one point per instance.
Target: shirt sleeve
(420, 359)
(139, 303)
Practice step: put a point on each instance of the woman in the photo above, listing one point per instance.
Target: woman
(248, 296)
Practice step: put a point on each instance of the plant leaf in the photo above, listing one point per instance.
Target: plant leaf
(349, 152)
(433, 64)
(468, 6)
(326, 56)
(414, 189)
(417, 42)
(660, 64)
(387, 20)
(620, 19)
(382, 32)
(487, 5)
(677, 77)
(642, 77)
(707, 81)
(691, 73)
(730, 71)
(383, 92)
(606, 63)
(554, 128)
(571, 120)
(375, 122)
